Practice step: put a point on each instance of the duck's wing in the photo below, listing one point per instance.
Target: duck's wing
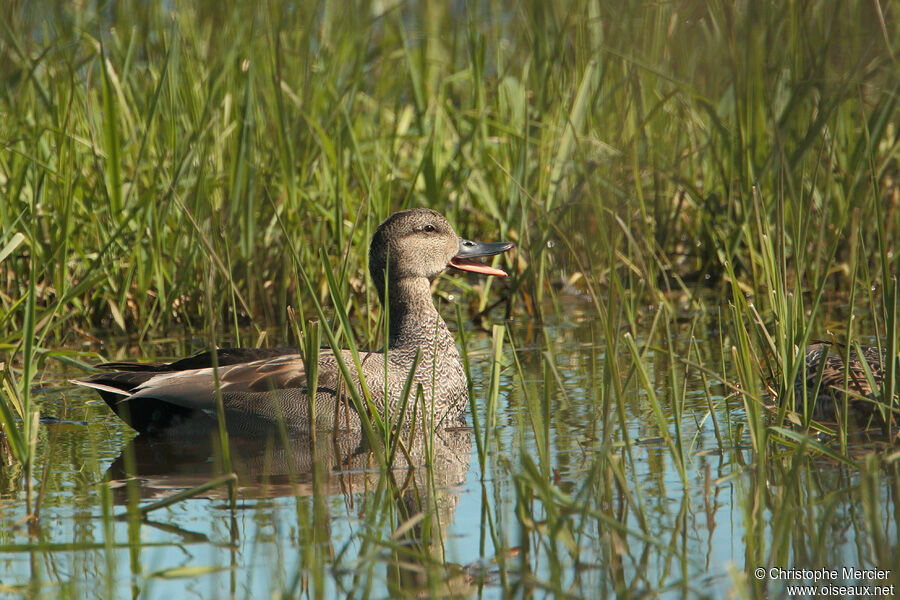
(150, 397)
(196, 388)
(202, 360)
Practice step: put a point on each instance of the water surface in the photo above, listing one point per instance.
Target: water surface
(580, 493)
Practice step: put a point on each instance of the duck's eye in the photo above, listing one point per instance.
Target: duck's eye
(429, 228)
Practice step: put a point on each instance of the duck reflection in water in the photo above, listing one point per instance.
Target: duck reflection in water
(421, 489)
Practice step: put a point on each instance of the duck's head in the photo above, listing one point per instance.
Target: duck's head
(421, 243)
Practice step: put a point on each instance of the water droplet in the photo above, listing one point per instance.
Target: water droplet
(451, 297)
(706, 276)
(550, 243)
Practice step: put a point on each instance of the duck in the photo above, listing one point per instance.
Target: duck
(265, 386)
(825, 397)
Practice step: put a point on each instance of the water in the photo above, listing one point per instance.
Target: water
(598, 507)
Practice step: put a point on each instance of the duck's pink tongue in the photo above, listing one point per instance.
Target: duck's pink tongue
(464, 264)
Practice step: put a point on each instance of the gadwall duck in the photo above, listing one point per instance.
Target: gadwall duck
(826, 361)
(260, 387)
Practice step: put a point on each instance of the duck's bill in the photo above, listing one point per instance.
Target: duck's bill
(469, 250)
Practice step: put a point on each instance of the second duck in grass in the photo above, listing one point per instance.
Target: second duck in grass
(821, 381)
(263, 386)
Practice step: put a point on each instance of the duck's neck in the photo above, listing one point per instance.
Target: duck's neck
(414, 321)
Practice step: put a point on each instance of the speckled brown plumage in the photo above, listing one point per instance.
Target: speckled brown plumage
(827, 359)
(414, 246)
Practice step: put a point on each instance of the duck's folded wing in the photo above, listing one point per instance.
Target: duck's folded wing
(196, 388)
(202, 360)
(153, 398)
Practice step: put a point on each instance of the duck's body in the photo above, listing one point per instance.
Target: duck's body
(828, 394)
(266, 386)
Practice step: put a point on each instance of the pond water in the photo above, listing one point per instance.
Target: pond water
(580, 493)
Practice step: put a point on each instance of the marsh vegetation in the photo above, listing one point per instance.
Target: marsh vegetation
(696, 190)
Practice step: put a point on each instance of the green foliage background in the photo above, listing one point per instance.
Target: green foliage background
(150, 154)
